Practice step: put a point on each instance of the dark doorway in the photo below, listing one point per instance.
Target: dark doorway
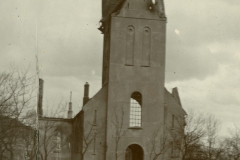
(134, 152)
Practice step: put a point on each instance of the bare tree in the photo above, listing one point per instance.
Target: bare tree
(118, 121)
(212, 149)
(85, 133)
(16, 92)
(19, 137)
(27, 139)
(8, 139)
(200, 137)
(158, 144)
(188, 134)
(194, 133)
(50, 130)
(231, 145)
(89, 136)
(16, 95)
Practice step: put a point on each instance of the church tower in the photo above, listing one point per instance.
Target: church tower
(135, 14)
(133, 69)
(127, 118)
(133, 116)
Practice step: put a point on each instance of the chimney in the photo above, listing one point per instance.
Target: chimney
(40, 99)
(70, 112)
(86, 93)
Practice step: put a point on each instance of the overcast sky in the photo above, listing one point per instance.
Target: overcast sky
(203, 50)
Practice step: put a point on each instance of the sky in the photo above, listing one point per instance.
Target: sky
(202, 56)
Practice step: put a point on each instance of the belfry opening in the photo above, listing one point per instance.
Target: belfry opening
(134, 152)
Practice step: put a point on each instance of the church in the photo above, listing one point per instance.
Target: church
(133, 116)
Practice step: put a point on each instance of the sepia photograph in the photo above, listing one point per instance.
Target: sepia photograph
(119, 80)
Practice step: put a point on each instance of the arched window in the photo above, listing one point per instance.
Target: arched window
(135, 109)
(146, 47)
(57, 142)
(129, 58)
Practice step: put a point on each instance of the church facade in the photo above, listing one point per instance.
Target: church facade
(133, 116)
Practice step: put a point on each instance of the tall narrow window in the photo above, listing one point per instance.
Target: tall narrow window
(172, 148)
(95, 132)
(129, 58)
(95, 118)
(135, 109)
(94, 145)
(173, 119)
(146, 47)
(57, 142)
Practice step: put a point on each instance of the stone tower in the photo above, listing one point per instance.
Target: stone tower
(132, 107)
(133, 69)
(139, 13)
(133, 116)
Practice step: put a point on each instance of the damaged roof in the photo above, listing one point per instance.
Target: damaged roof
(111, 6)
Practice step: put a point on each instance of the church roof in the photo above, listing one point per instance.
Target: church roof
(172, 101)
